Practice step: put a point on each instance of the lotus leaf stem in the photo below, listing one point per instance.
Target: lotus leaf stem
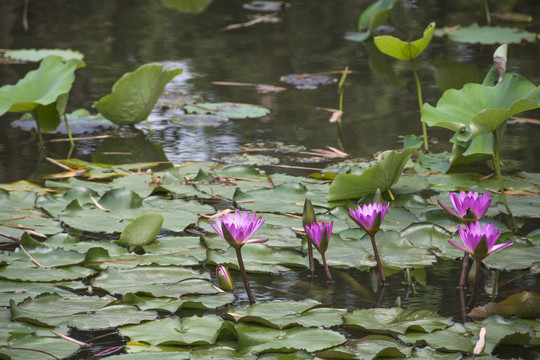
(497, 165)
(69, 132)
(420, 103)
(244, 275)
(326, 269)
(40, 136)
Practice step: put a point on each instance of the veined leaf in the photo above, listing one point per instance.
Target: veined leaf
(404, 50)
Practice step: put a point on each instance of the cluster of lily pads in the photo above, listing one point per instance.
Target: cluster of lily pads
(133, 250)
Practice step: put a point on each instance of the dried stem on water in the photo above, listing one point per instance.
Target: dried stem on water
(244, 276)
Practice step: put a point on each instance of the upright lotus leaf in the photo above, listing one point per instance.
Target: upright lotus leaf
(404, 50)
(381, 176)
(373, 17)
(42, 92)
(478, 109)
(134, 95)
(142, 230)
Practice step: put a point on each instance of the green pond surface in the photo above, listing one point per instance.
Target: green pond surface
(380, 107)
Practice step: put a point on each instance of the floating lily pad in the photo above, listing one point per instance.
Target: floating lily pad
(187, 6)
(35, 55)
(229, 110)
(374, 346)
(80, 122)
(475, 34)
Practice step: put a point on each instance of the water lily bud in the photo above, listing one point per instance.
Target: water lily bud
(308, 217)
(224, 279)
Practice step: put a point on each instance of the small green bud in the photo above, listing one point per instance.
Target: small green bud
(308, 216)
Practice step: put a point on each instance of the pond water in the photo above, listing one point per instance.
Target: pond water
(119, 36)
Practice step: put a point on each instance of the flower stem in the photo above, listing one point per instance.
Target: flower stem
(420, 103)
(244, 276)
(497, 165)
(326, 268)
(476, 281)
(379, 265)
(464, 267)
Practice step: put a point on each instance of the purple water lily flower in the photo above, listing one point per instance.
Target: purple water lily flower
(238, 228)
(469, 206)
(369, 216)
(479, 240)
(320, 234)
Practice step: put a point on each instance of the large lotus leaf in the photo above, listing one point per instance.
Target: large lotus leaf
(158, 281)
(374, 346)
(396, 320)
(477, 109)
(381, 176)
(518, 256)
(256, 338)
(523, 304)
(404, 50)
(40, 54)
(475, 34)
(145, 302)
(31, 347)
(45, 309)
(258, 258)
(46, 86)
(27, 271)
(283, 314)
(134, 95)
(187, 6)
(229, 110)
(142, 230)
(176, 331)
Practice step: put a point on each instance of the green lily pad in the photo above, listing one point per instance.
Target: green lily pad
(396, 320)
(145, 302)
(374, 346)
(134, 95)
(284, 314)
(27, 271)
(36, 55)
(157, 281)
(28, 347)
(475, 34)
(517, 256)
(176, 331)
(142, 230)
(80, 122)
(248, 159)
(403, 50)
(229, 110)
(256, 339)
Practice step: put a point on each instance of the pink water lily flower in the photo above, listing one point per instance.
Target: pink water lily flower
(469, 206)
(369, 216)
(320, 235)
(479, 240)
(238, 228)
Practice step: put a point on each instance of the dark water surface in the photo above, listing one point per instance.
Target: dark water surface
(119, 36)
